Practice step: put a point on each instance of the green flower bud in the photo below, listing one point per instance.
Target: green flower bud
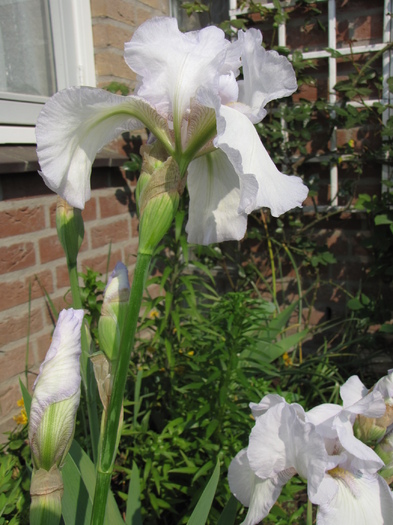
(158, 193)
(113, 311)
(70, 229)
(384, 449)
(368, 429)
(56, 394)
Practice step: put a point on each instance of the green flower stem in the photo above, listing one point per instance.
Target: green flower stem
(309, 512)
(108, 440)
(89, 382)
(103, 483)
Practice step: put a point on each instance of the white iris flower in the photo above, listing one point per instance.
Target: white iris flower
(188, 97)
(285, 441)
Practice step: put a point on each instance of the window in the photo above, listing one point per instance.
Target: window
(359, 29)
(45, 46)
(218, 11)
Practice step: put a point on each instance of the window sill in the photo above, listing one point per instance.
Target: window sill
(23, 159)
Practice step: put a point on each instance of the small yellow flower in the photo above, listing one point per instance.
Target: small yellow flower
(351, 143)
(154, 314)
(191, 353)
(21, 419)
(287, 360)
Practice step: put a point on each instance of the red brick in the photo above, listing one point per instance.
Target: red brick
(90, 211)
(15, 328)
(8, 425)
(16, 257)
(135, 226)
(43, 343)
(21, 220)
(16, 292)
(51, 249)
(109, 35)
(111, 63)
(110, 206)
(130, 253)
(9, 395)
(99, 263)
(114, 232)
(62, 277)
(12, 362)
(59, 303)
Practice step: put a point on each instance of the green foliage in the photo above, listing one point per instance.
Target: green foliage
(92, 296)
(118, 88)
(201, 358)
(15, 478)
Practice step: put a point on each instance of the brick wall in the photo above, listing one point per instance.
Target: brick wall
(32, 259)
(114, 22)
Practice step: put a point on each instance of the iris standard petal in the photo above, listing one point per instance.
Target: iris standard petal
(214, 189)
(171, 65)
(352, 391)
(267, 75)
(74, 125)
(361, 499)
(238, 138)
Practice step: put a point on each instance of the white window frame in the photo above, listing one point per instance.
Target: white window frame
(74, 65)
(332, 68)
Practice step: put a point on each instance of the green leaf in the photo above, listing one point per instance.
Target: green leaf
(26, 397)
(201, 511)
(133, 512)
(382, 219)
(386, 328)
(228, 515)
(79, 485)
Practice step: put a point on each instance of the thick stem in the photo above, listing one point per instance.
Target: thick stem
(89, 383)
(109, 436)
(309, 512)
(103, 482)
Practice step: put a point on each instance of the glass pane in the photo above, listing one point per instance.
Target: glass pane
(218, 12)
(26, 51)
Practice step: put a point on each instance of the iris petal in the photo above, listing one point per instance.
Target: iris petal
(74, 125)
(361, 498)
(238, 138)
(214, 189)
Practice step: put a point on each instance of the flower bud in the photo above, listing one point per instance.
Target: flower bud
(158, 193)
(369, 429)
(113, 311)
(56, 394)
(70, 229)
(384, 449)
(372, 430)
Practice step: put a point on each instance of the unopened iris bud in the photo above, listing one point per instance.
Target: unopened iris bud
(52, 415)
(70, 229)
(368, 429)
(384, 449)
(158, 194)
(113, 311)
(372, 430)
